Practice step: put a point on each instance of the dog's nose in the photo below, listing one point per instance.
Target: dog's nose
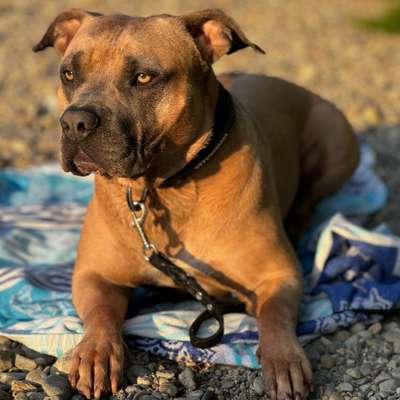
(77, 124)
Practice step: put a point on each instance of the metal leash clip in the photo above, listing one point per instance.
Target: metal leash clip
(139, 213)
(180, 277)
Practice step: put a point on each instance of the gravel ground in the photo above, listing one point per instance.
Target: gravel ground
(312, 42)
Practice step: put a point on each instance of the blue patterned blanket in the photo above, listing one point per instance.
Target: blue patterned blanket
(349, 272)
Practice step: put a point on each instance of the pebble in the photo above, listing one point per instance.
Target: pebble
(389, 386)
(341, 336)
(227, 383)
(345, 387)
(375, 328)
(392, 336)
(195, 395)
(144, 396)
(391, 325)
(10, 377)
(383, 376)
(4, 395)
(22, 386)
(186, 378)
(44, 361)
(143, 380)
(354, 373)
(6, 360)
(169, 388)
(258, 385)
(165, 374)
(63, 363)
(21, 396)
(136, 371)
(24, 363)
(395, 373)
(357, 327)
(327, 361)
(335, 396)
(5, 343)
(35, 395)
(36, 376)
(57, 385)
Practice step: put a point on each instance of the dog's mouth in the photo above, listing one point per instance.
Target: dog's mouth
(82, 165)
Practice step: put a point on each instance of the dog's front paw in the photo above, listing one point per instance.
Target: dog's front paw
(287, 371)
(97, 363)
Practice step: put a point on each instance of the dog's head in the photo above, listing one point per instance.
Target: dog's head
(132, 88)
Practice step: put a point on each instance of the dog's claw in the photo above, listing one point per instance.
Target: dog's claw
(287, 371)
(96, 365)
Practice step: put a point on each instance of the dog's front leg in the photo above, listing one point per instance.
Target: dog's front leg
(97, 361)
(287, 371)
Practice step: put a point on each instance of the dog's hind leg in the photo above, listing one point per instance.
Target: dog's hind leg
(329, 156)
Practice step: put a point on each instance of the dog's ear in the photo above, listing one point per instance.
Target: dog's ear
(216, 34)
(61, 31)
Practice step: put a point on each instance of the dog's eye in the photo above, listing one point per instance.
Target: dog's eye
(68, 75)
(143, 79)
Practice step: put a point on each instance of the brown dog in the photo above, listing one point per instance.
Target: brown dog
(138, 98)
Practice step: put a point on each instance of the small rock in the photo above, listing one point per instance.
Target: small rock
(169, 388)
(57, 385)
(345, 387)
(395, 373)
(365, 335)
(366, 369)
(392, 336)
(5, 343)
(375, 328)
(21, 396)
(4, 395)
(227, 384)
(63, 363)
(354, 373)
(209, 395)
(342, 336)
(22, 386)
(357, 327)
(195, 395)
(396, 347)
(78, 397)
(351, 342)
(165, 374)
(365, 388)
(383, 376)
(36, 376)
(327, 361)
(6, 360)
(389, 386)
(134, 371)
(10, 377)
(44, 360)
(258, 385)
(335, 396)
(143, 380)
(186, 378)
(24, 363)
(144, 396)
(390, 326)
(35, 395)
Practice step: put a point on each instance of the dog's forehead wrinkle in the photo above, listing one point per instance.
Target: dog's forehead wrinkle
(73, 58)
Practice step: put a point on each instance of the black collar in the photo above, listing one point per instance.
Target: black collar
(224, 116)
